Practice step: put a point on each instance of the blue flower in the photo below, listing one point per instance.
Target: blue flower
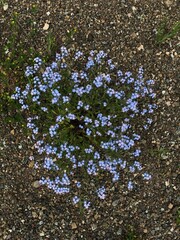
(146, 176)
(130, 185)
(76, 199)
(87, 204)
(101, 192)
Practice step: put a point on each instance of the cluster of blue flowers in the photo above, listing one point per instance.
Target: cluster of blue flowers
(83, 118)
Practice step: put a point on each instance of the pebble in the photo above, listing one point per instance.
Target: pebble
(170, 206)
(42, 234)
(167, 183)
(141, 47)
(36, 184)
(115, 203)
(93, 226)
(34, 214)
(119, 232)
(168, 3)
(5, 6)
(46, 26)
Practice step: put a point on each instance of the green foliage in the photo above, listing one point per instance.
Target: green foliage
(164, 33)
(15, 54)
(34, 9)
(160, 153)
(70, 35)
(130, 234)
(18, 51)
(10, 110)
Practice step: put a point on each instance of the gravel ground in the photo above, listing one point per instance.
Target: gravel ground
(127, 30)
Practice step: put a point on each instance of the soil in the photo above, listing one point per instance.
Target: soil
(127, 30)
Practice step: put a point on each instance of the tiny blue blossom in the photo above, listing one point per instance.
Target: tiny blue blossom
(101, 192)
(146, 176)
(130, 185)
(76, 199)
(87, 204)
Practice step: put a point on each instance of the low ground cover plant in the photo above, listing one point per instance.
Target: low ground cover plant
(84, 116)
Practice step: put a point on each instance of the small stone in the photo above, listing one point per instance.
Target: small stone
(145, 230)
(34, 214)
(167, 183)
(170, 206)
(168, 103)
(115, 203)
(93, 226)
(168, 3)
(36, 184)
(164, 157)
(134, 8)
(46, 26)
(5, 6)
(119, 232)
(141, 47)
(42, 234)
(73, 225)
(96, 216)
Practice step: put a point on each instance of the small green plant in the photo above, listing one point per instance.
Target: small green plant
(34, 9)
(70, 35)
(15, 54)
(130, 234)
(164, 33)
(51, 44)
(81, 111)
(160, 153)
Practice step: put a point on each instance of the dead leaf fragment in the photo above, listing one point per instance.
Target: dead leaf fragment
(12, 131)
(73, 225)
(31, 164)
(46, 26)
